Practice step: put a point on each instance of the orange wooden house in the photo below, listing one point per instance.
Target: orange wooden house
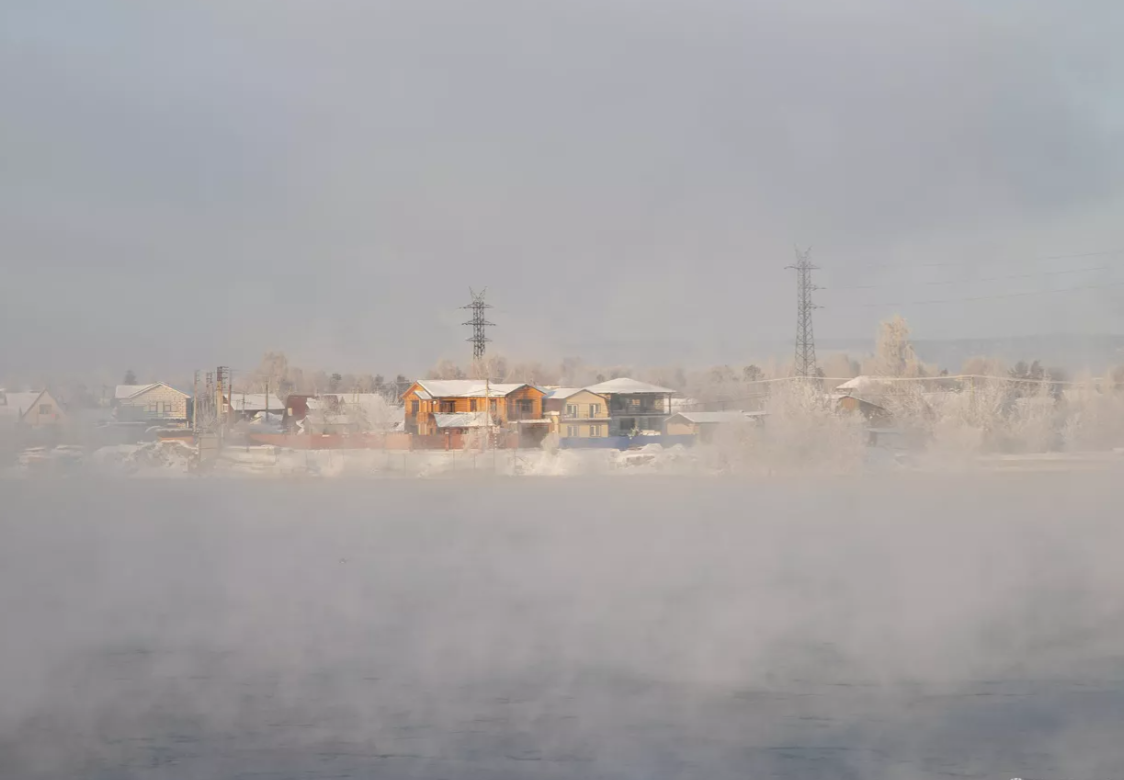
(433, 406)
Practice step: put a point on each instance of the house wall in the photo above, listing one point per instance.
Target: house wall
(583, 430)
(503, 409)
(647, 411)
(681, 428)
(172, 405)
(44, 412)
(583, 415)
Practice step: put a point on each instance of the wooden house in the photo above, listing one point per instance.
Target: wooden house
(704, 425)
(35, 409)
(509, 405)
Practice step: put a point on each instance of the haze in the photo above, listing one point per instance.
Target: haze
(195, 184)
(629, 628)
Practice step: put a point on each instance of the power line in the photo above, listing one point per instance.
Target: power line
(979, 279)
(958, 263)
(983, 297)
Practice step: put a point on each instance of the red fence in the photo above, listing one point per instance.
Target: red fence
(373, 441)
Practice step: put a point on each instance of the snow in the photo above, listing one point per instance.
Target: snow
(467, 388)
(462, 420)
(624, 385)
(18, 403)
(256, 402)
(128, 391)
(559, 393)
(717, 417)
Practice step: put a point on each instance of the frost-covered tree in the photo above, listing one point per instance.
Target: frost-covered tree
(893, 353)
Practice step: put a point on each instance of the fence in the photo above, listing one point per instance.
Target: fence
(624, 442)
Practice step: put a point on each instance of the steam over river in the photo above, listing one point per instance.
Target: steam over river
(898, 627)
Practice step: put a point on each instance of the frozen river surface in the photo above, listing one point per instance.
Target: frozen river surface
(924, 627)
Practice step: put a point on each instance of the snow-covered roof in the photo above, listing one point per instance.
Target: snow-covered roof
(128, 391)
(867, 384)
(125, 392)
(255, 402)
(717, 417)
(462, 420)
(369, 410)
(466, 388)
(19, 402)
(564, 392)
(626, 386)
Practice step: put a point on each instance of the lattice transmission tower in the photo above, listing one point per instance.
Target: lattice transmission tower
(805, 337)
(479, 322)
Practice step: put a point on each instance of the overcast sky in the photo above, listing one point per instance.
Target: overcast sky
(189, 184)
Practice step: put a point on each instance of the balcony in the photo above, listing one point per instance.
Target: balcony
(638, 410)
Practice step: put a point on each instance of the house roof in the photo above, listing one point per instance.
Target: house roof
(255, 402)
(125, 392)
(564, 392)
(464, 388)
(626, 386)
(703, 418)
(128, 391)
(461, 420)
(19, 403)
(368, 409)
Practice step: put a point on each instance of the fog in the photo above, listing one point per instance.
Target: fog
(882, 626)
(626, 178)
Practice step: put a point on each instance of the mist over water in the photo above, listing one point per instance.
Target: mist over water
(912, 626)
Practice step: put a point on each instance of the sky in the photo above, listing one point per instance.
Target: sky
(186, 185)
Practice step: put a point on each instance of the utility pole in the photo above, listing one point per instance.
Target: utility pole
(195, 408)
(805, 338)
(223, 388)
(478, 322)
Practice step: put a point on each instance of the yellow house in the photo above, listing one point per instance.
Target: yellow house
(151, 403)
(577, 413)
(704, 425)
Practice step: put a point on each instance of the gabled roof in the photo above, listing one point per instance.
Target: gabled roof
(626, 386)
(563, 392)
(717, 417)
(18, 404)
(126, 392)
(429, 389)
(461, 420)
(255, 402)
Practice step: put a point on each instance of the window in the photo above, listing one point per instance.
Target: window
(571, 410)
(448, 407)
(414, 406)
(492, 406)
(571, 431)
(472, 405)
(594, 431)
(595, 410)
(44, 408)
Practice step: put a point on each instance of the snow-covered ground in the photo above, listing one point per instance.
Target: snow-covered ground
(177, 460)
